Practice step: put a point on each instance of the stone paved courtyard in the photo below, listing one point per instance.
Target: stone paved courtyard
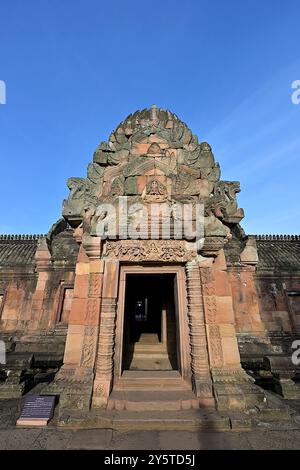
(12, 438)
(39, 439)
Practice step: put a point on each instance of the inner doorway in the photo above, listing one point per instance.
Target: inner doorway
(150, 333)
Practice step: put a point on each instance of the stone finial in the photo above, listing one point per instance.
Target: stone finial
(154, 110)
(42, 255)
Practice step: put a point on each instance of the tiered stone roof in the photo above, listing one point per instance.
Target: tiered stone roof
(16, 250)
(279, 252)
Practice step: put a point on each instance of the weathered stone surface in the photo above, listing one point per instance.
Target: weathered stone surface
(154, 142)
(130, 187)
(100, 157)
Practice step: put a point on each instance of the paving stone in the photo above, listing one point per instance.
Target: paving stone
(55, 439)
(91, 439)
(136, 441)
(268, 440)
(178, 440)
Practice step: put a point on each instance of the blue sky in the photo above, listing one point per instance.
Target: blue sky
(75, 69)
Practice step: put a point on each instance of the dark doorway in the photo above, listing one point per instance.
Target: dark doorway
(149, 341)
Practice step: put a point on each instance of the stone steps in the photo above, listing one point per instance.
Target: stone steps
(155, 362)
(185, 420)
(149, 354)
(136, 400)
(152, 380)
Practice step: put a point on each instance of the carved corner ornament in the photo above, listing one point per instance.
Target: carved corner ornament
(212, 246)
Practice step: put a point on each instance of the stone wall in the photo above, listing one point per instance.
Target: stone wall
(35, 272)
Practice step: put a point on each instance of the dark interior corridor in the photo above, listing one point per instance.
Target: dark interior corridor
(149, 323)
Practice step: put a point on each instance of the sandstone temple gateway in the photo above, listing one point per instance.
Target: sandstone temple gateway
(150, 323)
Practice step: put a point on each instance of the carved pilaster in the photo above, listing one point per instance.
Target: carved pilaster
(210, 314)
(104, 362)
(198, 340)
(41, 295)
(91, 321)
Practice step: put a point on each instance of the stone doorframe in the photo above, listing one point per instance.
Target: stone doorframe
(182, 328)
(194, 356)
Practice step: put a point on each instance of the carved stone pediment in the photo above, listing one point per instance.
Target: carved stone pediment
(153, 157)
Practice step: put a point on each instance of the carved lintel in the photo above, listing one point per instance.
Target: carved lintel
(149, 250)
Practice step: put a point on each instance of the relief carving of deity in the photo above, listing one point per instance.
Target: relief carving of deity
(155, 192)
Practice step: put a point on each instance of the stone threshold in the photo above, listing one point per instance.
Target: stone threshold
(151, 380)
(201, 420)
(124, 421)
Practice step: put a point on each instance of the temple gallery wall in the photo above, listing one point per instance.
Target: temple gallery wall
(118, 323)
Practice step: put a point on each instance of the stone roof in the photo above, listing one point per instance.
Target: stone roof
(18, 250)
(278, 252)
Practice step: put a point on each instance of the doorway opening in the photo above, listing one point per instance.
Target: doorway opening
(150, 333)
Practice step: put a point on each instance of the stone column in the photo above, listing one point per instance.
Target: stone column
(43, 263)
(233, 388)
(105, 353)
(201, 379)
